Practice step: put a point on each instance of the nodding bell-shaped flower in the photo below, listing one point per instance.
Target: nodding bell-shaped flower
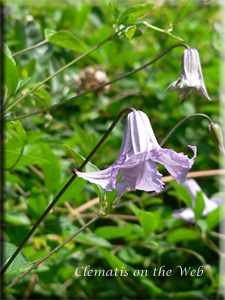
(192, 188)
(136, 160)
(191, 78)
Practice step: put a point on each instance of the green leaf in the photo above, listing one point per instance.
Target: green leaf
(43, 95)
(195, 294)
(17, 218)
(110, 197)
(51, 169)
(29, 69)
(216, 216)
(88, 168)
(181, 193)
(17, 130)
(129, 255)
(93, 239)
(73, 192)
(113, 260)
(130, 31)
(147, 220)
(12, 155)
(113, 6)
(21, 84)
(64, 39)
(135, 11)
(37, 205)
(11, 73)
(20, 260)
(114, 232)
(183, 234)
(199, 206)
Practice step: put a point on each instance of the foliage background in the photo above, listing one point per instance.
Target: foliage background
(46, 165)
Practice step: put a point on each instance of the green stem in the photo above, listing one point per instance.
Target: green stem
(29, 48)
(52, 252)
(56, 73)
(181, 122)
(97, 87)
(64, 189)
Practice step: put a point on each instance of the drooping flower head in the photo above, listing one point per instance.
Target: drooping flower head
(192, 188)
(136, 160)
(191, 78)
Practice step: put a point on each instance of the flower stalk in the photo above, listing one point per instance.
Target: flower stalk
(88, 91)
(3, 270)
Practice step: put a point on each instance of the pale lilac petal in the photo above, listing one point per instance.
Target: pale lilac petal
(136, 160)
(217, 200)
(193, 188)
(138, 134)
(191, 77)
(106, 178)
(186, 214)
(139, 176)
(177, 164)
(210, 205)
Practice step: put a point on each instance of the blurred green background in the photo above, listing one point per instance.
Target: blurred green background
(46, 165)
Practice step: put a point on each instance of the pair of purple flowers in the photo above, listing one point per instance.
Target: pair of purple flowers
(140, 150)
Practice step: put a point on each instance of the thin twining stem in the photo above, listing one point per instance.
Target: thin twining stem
(32, 47)
(97, 87)
(52, 252)
(181, 122)
(65, 188)
(56, 73)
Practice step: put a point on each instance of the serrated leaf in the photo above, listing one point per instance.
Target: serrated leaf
(135, 11)
(64, 39)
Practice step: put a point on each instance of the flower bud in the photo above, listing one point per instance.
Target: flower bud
(216, 135)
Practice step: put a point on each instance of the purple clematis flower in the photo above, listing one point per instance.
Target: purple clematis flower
(187, 214)
(191, 78)
(136, 160)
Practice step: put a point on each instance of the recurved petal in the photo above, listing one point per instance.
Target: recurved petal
(105, 178)
(177, 164)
